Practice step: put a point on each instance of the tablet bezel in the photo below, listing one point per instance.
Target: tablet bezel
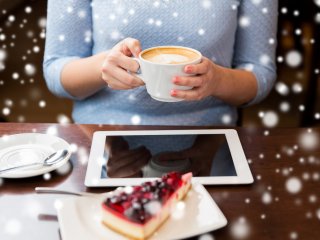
(92, 179)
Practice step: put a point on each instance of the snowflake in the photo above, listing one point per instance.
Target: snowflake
(2, 37)
(112, 17)
(312, 198)
(206, 237)
(256, 2)
(28, 9)
(206, 4)
(280, 59)
(47, 176)
(30, 69)
(69, 9)
(266, 198)
(52, 130)
(309, 140)
(293, 235)
(293, 185)
(271, 41)
(318, 213)
(64, 169)
(42, 22)
(270, 119)
(36, 49)
(58, 204)
(264, 59)
(244, 21)
(82, 155)
(159, 23)
(293, 58)
(284, 107)
(61, 37)
(240, 229)
(63, 119)
(156, 4)
(226, 119)
(135, 119)
(82, 14)
(6, 111)
(297, 87)
(301, 108)
(42, 104)
(115, 35)
(11, 18)
(284, 10)
(296, 13)
(201, 31)
(282, 88)
(3, 55)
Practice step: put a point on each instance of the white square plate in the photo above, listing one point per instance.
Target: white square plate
(80, 218)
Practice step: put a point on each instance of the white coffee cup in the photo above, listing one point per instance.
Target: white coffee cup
(158, 66)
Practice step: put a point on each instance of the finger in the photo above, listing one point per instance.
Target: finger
(133, 45)
(116, 144)
(195, 81)
(132, 168)
(126, 78)
(116, 58)
(114, 83)
(128, 157)
(189, 95)
(128, 63)
(199, 68)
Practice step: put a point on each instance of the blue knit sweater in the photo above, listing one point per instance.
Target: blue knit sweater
(233, 33)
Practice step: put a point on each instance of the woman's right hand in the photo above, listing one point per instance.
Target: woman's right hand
(118, 62)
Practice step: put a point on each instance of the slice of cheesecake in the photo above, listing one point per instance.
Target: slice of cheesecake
(138, 211)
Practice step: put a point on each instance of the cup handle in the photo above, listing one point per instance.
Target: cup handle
(139, 73)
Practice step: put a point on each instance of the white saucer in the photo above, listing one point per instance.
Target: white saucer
(20, 149)
(80, 218)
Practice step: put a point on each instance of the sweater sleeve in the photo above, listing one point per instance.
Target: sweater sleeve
(68, 37)
(256, 43)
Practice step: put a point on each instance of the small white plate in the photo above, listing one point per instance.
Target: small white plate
(24, 148)
(80, 218)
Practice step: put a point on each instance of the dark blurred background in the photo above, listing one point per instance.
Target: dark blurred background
(293, 102)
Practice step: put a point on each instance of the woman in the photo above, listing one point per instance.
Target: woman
(90, 45)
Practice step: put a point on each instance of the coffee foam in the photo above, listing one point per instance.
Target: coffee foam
(170, 55)
(169, 58)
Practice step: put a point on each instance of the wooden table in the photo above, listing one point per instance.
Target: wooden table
(268, 209)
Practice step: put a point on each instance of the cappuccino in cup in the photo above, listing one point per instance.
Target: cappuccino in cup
(159, 65)
(170, 55)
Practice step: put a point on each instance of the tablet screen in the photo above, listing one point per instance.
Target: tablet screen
(153, 155)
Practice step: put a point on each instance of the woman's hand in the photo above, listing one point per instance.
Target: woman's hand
(204, 83)
(200, 154)
(125, 162)
(118, 62)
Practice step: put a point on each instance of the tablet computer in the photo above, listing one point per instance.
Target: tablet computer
(119, 158)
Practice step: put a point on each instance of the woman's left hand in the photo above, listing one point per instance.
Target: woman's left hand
(204, 83)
